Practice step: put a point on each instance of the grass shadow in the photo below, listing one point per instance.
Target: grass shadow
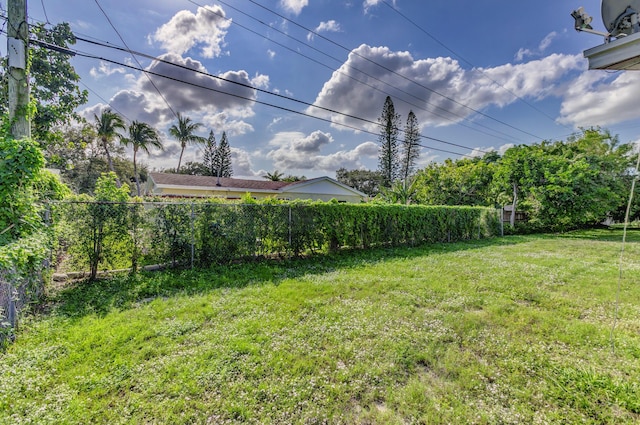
(81, 298)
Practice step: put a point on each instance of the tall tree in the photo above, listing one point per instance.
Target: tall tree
(107, 126)
(209, 155)
(54, 81)
(184, 132)
(389, 122)
(223, 157)
(141, 137)
(410, 148)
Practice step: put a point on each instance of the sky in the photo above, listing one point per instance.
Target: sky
(298, 85)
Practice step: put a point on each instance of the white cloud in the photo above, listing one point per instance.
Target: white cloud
(294, 6)
(481, 151)
(369, 4)
(105, 70)
(218, 103)
(201, 93)
(222, 121)
(413, 84)
(207, 28)
(327, 26)
(291, 151)
(597, 98)
(242, 165)
(542, 47)
(260, 81)
(271, 54)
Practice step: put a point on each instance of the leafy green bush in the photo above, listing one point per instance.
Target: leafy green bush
(20, 164)
(206, 232)
(24, 240)
(97, 229)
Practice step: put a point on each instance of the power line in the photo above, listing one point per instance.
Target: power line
(461, 117)
(110, 45)
(475, 68)
(136, 59)
(91, 56)
(404, 77)
(140, 68)
(105, 101)
(244, 85)
(44, 9)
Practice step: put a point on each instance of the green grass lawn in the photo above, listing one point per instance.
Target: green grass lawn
(512, 330)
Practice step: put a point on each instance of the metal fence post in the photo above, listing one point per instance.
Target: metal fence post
(47, 223)
(290, 226)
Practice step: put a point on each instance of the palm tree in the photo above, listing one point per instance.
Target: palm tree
(184, 132)
(107, 125)
(141, 137)
(276, 176)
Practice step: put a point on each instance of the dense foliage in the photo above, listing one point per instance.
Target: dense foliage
(365, 181)
(24, 240)
(53, 83)
(558, 185)
(82, 159)
(115, 234)
(21, 162)
(96, 231)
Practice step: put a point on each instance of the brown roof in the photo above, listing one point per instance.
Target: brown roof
(207, 181)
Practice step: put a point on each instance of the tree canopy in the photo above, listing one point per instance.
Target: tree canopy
(53, 80)
(388, 163)
(559, 185)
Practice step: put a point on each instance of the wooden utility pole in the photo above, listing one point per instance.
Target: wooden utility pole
(18, 50)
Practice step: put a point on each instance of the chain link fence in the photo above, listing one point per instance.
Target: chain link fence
(15, 293)
(96, 236)
(8, 311)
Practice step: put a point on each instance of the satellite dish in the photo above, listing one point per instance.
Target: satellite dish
(620, 17)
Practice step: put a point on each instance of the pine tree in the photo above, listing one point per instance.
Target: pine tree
(410, 148)
(389, 165)
(224, 157)
(209, 155)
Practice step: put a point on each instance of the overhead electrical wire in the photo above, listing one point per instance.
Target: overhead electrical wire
(105, 101)
(462, 58)
(249, 86)
(110, 45)
(340, 61)
(154, 58)
(141, 68)
(404, 77)
(363, 130)
(136, 59)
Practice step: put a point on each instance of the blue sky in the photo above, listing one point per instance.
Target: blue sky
(480, 76)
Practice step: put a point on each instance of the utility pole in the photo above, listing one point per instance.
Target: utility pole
(17, 47)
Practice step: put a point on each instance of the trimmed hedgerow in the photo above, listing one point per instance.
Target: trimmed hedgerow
(210, 231)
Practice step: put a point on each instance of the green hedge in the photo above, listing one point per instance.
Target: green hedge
(208, 231)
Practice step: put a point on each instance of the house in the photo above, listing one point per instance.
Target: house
(318, 189)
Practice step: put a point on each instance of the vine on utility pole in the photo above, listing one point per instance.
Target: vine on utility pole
(17, 47)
